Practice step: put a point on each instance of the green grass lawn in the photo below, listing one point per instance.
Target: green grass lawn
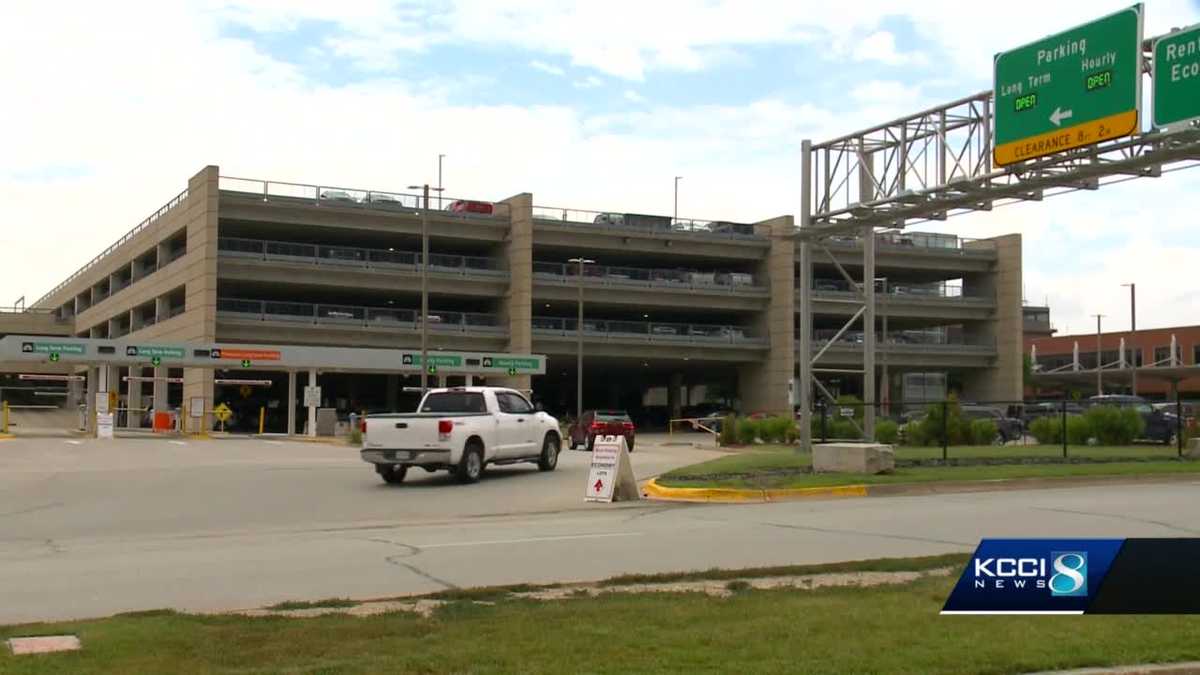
(886, 629)
(775, 466)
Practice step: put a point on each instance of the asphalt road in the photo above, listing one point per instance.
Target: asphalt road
(90, 528)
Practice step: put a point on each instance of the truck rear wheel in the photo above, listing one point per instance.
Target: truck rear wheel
(392, 474)
(470, 467)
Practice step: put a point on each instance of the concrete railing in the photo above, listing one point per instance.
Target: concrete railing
(354, 315)
(348, 256)
(120, 242)
(273, 190)
(923, 242)
(566, 273)
(620, 222)
(651, 331)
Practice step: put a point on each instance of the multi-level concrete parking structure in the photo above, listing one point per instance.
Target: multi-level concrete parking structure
(670, 305)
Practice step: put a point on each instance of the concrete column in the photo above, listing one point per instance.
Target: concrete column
(312, 409)
(93, 388)
(393, 392)
(74, 392)
(1004, 379)
(160, 388)
(517, 305)
(764, 386)
(674, 407)
(291, 403)
(133, 419)
(198, 383)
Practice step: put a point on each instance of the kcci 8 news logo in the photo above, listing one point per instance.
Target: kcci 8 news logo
(1064, 573)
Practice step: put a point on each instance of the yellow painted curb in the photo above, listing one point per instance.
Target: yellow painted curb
(733, 495)
(6, 437)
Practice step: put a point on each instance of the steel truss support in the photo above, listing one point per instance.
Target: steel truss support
(930, 166)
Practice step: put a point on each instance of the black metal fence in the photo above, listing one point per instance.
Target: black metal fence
(1112, 427)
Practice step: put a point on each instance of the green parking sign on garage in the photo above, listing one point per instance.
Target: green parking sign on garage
(1177, 77)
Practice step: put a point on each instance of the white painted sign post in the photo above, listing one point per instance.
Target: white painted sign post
(312, 397)
(611, 476)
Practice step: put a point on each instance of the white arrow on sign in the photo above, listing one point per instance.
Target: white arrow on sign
(1059, 115)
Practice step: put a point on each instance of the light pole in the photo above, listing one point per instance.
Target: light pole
(439, 187)
(1133, 335)
(581, 261)
(883, 369)
(424, 284)
(1099, 361)
(677, 197)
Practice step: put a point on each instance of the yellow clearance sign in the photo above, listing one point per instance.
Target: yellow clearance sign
(1114, 126)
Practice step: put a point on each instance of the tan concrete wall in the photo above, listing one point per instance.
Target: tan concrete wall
(1003, 381)
(34, 323)
(517, 306)
(764, 387)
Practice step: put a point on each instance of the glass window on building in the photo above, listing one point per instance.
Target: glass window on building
(1162, 355)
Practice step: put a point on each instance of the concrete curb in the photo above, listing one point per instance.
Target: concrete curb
(652, 490)
(6, 437)
(737, 496)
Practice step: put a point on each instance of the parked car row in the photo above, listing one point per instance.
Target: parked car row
(667, 224)
(381, 199)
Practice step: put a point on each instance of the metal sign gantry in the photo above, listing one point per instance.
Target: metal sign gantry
(930, 166)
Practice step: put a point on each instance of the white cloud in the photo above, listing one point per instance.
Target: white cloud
(633, 96)
(589, 82)
(878, 46)
(547, 68)
(107, 135)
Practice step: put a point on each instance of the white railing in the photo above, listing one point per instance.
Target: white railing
(269, 190)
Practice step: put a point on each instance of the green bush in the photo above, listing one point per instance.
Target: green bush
(956, 429)
(849, 401)
(886, 431)
(982, 432)
(747, 430)
(778, 430)
(1078, 430)
(1047, 430)
(1111, 425)
(728, 435)
(842, 428)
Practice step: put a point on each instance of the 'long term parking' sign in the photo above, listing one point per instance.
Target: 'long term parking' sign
(1069, 90)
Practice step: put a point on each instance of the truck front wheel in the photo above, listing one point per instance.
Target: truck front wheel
(392, 474)
(470, 467)
(550, 449)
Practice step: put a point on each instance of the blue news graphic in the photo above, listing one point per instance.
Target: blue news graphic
(1033, 575)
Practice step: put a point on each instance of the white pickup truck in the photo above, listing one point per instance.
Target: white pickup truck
(462, 429)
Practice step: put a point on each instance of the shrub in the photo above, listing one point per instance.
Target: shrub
(1078, 430)
(957, 430)
(1047, 430)
(849, 401)
(1111, 425)
(728, 435)
(747, 430)
(982, 432)
(778, 429)
(842, 428)
(886, 431)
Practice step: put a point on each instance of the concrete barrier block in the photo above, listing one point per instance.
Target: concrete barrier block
(1193, 449)
(853, 458)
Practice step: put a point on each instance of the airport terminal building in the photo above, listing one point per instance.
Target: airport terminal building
(675, 311)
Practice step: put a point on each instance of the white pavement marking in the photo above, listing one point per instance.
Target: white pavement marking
(177, 442)
(274, 442)
(73, 442)
(529, 540)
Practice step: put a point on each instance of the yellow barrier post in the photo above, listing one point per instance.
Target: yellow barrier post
(262, 419)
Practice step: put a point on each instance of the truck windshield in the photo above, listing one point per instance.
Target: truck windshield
(454, 402)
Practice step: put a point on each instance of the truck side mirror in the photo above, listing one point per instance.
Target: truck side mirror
(537, 407)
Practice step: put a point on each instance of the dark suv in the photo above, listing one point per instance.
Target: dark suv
(1160, 424)
(1007, 428)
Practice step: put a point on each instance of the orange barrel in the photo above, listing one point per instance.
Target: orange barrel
(162, 421)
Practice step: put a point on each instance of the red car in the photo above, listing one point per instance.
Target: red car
(601, 423)
(465, 206)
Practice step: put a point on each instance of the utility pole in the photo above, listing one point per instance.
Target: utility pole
(439, 187)
(425, 284)
(581, 261)
(1099, 359)
(1137, 350)
(677, 197)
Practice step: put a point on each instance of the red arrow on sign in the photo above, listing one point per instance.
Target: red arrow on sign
(599, 484)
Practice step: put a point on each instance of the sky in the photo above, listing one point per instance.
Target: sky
(110, 107)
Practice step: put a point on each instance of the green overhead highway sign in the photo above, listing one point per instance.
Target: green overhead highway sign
(446, 360)
(1177, 77)
(155, 352)
(1069, 90)
(53, 348)
(513, 364)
